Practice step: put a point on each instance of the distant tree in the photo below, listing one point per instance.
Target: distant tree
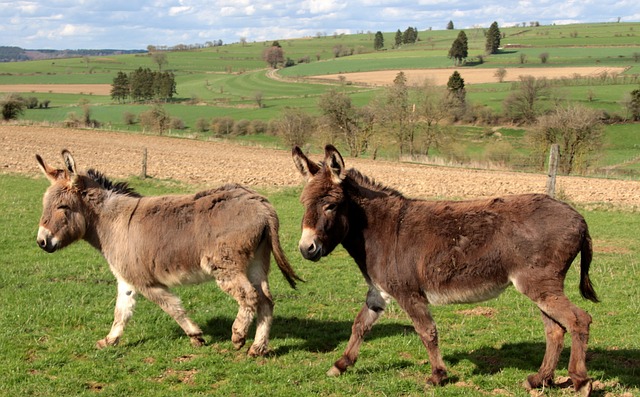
(243, 41)
(295, 127)
(633, 105)
(141, 84)
(500, 74)
(12, 106)
(276, 43)
(576, 128)
(378, 41)
(456, 95)
(398, 39)
(410, 35)
(522, 104)
(493, 39)
(31, 102)
(450, 25)
(160, 59)
(544, 57)
(120, 87)
(273, 55)
(156, 119)
(459, 49)
(164, 85)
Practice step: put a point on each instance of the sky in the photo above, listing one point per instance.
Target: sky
(136, 24)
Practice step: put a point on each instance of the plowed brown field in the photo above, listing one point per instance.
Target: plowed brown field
(119, 155)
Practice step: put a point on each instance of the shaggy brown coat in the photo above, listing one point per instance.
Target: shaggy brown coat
(440, 252)
(153, 243)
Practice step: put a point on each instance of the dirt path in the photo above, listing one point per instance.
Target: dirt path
(200, 163)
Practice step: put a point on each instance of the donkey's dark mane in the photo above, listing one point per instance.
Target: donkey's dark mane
(106, 183)
(369, 183)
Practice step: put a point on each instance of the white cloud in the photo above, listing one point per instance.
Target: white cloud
(173, 11)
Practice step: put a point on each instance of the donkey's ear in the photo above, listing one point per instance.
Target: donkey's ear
(70, 164)
(52, 174)
(333, 160)
(306, 167)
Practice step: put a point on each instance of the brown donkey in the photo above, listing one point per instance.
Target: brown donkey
(153, 243)
(440, 252)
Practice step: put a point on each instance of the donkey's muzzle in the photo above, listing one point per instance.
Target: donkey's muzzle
(46, 241)
(312, 252)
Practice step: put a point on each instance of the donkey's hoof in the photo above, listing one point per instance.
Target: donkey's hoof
(102, 343)
(334, 371)
(585, 389)
(197, 341)
(257, 351)
(437, 378)
(238, 342)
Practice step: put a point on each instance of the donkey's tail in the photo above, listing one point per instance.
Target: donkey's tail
(278, 253)
(586, 254)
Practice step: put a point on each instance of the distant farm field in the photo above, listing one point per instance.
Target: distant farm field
(470, 76)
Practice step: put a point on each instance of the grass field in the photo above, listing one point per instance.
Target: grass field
(56, 306)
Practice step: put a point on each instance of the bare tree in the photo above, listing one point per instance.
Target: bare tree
(522, 104)
(295, 127)
(273, 55)
(577, 129)
(500, 74)
(160, 59)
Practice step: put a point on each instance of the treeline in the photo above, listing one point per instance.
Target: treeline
(142, 85)
(15, 54)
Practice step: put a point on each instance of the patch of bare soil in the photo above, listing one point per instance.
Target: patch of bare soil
(119, 155)
(470, 76)
(90, 89)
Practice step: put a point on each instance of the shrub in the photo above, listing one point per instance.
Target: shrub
(12, 106)
(177, 123)
(129, 118)
(241, 127)
(202, 125)
(258, 127)
(155, 119)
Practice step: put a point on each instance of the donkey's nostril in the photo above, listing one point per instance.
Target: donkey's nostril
(312, 248)
(42, 243)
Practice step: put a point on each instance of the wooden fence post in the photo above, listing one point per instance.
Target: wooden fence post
(553, 169)
(143, 174)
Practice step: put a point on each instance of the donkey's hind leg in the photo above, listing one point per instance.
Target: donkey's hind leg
(125, 303)
(171, 304)
(558, 309)
(238, 286)
(258, 273)
(577, 322)
(555, 343)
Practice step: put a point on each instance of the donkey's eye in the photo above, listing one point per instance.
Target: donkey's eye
(64, 207)
(329, 207)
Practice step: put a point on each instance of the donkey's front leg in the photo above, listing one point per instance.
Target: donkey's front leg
(172, 306)
(125, 303)
(363, 323)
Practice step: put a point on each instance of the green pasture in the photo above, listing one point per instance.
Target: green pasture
(56, 306)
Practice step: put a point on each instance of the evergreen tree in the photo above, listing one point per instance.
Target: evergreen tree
(120, 87)
(459, 48)
(398, 41)
(450, 25)
(493, 39)
(378, 41)
(410, 35)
